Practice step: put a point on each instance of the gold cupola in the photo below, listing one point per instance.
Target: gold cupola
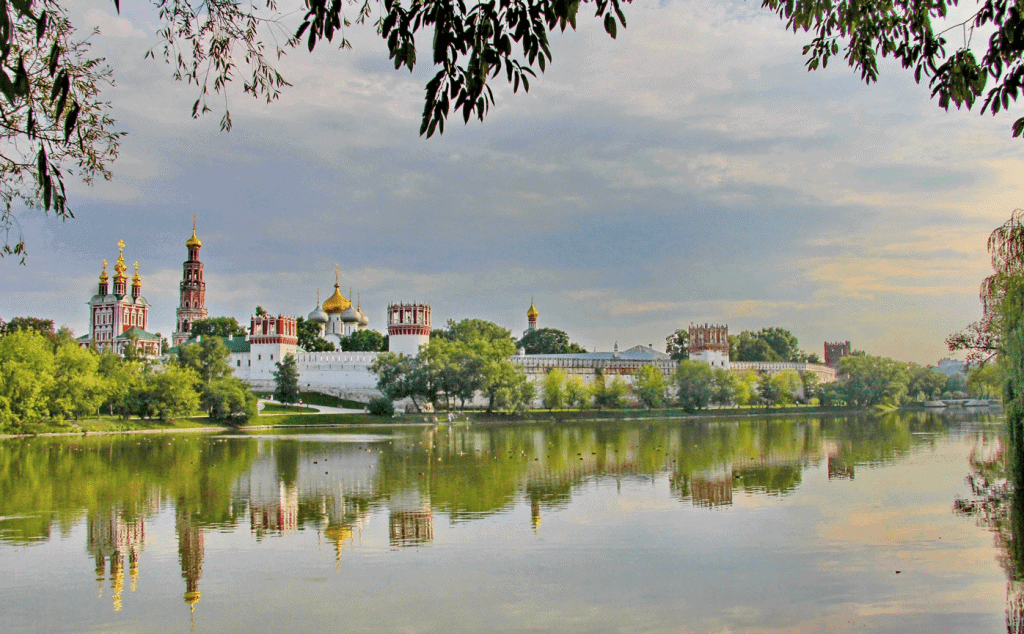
(194, 241)
(532, 312)
(136, 279)
(120, 267)
(103, 275)
(336, 303)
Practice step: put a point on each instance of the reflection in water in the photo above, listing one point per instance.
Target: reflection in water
(281, 486)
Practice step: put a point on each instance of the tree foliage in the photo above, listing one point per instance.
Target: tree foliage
(694, 385)
(869, 381)
(548, 341)
(286, 380)
(308, 334)
(552, 389)
(649, 386)
(365, 341)
(767, 344)
(216, 327)
(53, 120)
(677, 345)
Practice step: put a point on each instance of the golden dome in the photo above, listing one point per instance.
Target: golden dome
(336, 303)
(136, 280)
(532, 313)
(119, 267)
(103, 275)
(193, 241)
(192, 597)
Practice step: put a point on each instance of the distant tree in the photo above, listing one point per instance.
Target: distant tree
(260, 312)
(811, 357)
(35, 324)
(694, 385)
(380, 406)
(767, 391)
(767, 344)
(746, 388)
(77, 389)
(811, 383)
(216, 327)
(956, 386)
(286, 380)
(400, 376)
(785, 387)
(308, 334)
(227, 399)
(649, 386)
(924, 383)
(548, 341)
(552, 389)
(677, 345)
(726, 384)
(869, 381)
(26, 372)
(168, 393)
(208, 358)
(985, 380)
(576, 393)
(365, 341)
(515, 394)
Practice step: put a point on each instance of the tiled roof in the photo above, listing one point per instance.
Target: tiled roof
(138, 332)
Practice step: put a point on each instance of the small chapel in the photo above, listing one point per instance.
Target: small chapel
(118, 317)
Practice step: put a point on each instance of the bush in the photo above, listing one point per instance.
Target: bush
(381, 406)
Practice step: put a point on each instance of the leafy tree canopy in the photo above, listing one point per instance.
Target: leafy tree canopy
(767, 344)
(365, 341)
(308, 334)
(548, 341)
(216, 327)
(677, 345)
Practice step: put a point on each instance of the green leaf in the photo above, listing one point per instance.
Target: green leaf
(609, 25)
(72, 118)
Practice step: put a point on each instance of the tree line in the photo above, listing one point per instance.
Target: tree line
(46, 376)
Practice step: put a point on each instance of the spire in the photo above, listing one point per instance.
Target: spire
(120, 267)
(136, 280)
(103, 279)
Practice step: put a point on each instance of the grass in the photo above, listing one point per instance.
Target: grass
(316, 398)
(277, 408)
(113, 424)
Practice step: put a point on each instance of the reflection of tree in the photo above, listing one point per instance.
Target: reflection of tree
(998, 504)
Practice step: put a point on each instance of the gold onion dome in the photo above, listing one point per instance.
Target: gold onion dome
(119, 267)
(532, 312)
(336, 303)
(194, 241)
(103, 275)
(136, 280)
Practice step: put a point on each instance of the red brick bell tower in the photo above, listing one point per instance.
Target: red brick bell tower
(192, 304)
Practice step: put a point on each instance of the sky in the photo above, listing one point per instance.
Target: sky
(691, 170)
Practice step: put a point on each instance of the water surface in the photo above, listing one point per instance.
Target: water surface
(798, 525)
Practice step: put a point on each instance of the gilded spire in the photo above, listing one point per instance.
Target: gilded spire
(120, 267)
(103, 275)
(194, 241)
(136, 280)
(532, 312)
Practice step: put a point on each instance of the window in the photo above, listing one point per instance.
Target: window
(239, 363)
(259, 357)
(271, 357)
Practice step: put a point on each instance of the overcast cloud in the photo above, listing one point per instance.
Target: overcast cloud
(689, 171)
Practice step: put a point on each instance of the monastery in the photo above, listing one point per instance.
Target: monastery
(118, 317)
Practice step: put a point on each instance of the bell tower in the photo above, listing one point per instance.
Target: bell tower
(192, 303)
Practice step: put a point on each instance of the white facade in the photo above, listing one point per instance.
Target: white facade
(711, 357)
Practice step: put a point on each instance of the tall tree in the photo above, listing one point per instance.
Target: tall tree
(286, 380)
(216, 327)
(548, 341)
(649, 386)
(36, 324)
(208, 358)
(870, 381)
(365, 341)
(308, 334)
(552, 389)
(677, 345)
(694, 385)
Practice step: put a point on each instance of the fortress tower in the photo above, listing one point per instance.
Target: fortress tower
(836, 351)
(271, 338)
(710, 344)
(192, 303)
(408, 328)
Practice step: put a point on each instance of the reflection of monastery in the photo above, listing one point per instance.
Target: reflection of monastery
(117, 318)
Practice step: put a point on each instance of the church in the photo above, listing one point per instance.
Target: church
(116, 317)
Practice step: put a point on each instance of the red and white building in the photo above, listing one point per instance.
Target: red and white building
(117, 317)
(408, 328)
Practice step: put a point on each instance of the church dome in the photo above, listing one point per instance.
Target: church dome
(336, 303)
(350, 316)
(364, 321)
(532, 312)
(194, 241)
(318, 316)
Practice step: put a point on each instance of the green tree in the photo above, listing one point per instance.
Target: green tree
(726, 385)
(649, 386)
(123, 382)
(785, 386)
(746, 388)
(985, 380)
(811, 383)
(956, 386)
(42, 326)
(216, 327)
(286, 380)
(869, 381)
(576, 393)
(515, 394)
(308, 334)
(924, 383)
(169, 393)
(548, 341)
(54, 120)
(26, 372)
(228, 399)
(767, 390)
(399, 376)
(77, 389)
(677, 345)
(502, 380)
(694, 385)
(208, 358)
(767, 344)
(365, 341)
(552, 389)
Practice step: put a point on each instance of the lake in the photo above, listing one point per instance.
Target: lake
(834, 524)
